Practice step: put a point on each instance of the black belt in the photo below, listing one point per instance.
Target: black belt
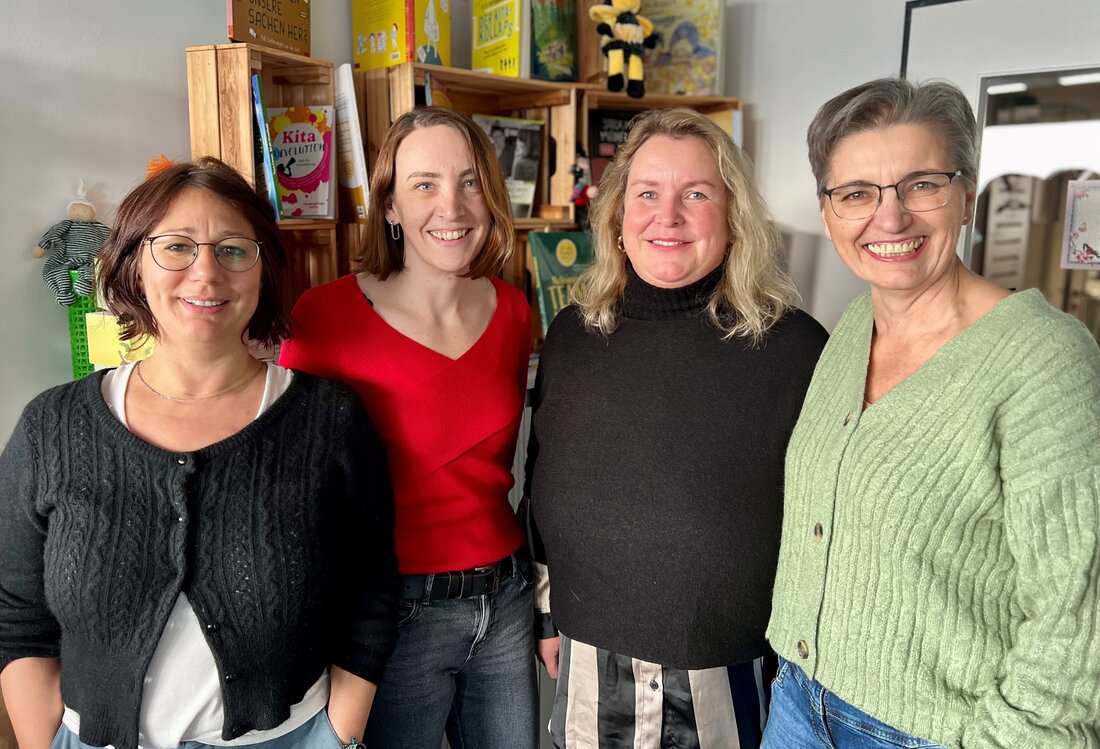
(478, 581)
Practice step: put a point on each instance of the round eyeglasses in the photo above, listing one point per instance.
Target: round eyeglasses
(919, 193)
(177, 252)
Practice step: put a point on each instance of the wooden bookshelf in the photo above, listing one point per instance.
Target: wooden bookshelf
(392, 91)
(220, 107)
(219, 95)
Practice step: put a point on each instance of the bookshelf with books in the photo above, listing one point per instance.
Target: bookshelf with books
(392, 91)
(562, 107)
(222, 118)
(221, 111)
(597, 104)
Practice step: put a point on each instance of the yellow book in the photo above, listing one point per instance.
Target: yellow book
(501, 37)
(391, 32)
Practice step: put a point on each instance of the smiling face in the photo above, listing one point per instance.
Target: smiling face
(438, 201)
(204, 303)
(896, 249)
(675, 212)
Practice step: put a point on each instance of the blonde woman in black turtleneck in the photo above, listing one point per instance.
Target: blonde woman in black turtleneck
(662, 409)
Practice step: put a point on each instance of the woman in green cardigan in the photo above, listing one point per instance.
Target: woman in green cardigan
(939, 578)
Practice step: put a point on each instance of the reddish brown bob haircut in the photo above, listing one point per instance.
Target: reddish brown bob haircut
(119, 269)
(380, 254)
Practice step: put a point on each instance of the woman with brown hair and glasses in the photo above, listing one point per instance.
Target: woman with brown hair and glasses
(437, 347)
(198, 547)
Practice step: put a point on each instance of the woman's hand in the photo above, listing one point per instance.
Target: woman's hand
(32, 693)
(548, 652)
(349, 702)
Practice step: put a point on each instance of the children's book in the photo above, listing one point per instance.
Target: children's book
(606, 130)
(687, 58)
(305, 160)
(263, 158)
(354, 187)
(559, 258)
(501, 40)
(518, 145)
(554, 40)
(390, 32)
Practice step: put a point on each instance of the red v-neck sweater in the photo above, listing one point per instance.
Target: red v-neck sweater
(449, 425)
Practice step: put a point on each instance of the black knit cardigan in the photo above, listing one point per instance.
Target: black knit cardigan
(280, 535)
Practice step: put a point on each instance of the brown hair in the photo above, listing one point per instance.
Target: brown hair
(754, 292)
(885, 102)
(119, 267)
(381, 254)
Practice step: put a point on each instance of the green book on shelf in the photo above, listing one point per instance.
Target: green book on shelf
(554, 40)
(559, 259)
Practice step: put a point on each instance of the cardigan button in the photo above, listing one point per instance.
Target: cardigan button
(230, 678)
(182, 461)
(819, 532)
(213, 627)
(803, 650)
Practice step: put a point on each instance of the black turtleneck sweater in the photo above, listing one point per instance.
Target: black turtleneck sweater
(655, 471)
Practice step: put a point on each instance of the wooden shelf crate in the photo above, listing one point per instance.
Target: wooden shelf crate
(592, 97)
(393, 91)
(219, 94)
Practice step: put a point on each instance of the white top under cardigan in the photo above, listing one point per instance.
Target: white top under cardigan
(182, 698)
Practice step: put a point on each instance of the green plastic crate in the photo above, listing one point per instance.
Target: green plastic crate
(78, 332)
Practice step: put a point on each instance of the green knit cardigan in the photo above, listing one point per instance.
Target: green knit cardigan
(940, 562)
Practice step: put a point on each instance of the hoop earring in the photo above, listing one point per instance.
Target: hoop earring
(395, 231)
(619, 243)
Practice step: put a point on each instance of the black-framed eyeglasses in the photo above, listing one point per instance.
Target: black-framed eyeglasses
(921, 192)
(179, 252)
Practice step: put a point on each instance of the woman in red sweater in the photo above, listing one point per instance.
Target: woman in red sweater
(437, 347)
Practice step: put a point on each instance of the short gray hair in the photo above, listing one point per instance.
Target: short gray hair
(893, 101)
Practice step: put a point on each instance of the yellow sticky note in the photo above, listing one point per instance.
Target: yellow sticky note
(105, 346)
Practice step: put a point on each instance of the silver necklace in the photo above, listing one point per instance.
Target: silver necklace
(240, 385)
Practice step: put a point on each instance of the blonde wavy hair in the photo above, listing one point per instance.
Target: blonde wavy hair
(754, 291)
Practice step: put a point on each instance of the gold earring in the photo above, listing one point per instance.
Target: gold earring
(619, 243)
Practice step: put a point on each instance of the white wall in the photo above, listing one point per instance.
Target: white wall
(785, 58)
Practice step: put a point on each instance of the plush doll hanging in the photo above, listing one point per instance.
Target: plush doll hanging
(72, 244)
(625, 37)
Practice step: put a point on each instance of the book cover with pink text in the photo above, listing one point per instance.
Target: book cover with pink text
(304, 154)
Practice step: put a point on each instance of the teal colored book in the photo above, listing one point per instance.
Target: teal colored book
(264, 163)
(559, 258)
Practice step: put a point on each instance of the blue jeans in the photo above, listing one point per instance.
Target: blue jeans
(315, 733)
(805, 715)
(465, 666)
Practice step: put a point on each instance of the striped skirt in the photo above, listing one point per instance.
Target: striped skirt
(609, 701)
